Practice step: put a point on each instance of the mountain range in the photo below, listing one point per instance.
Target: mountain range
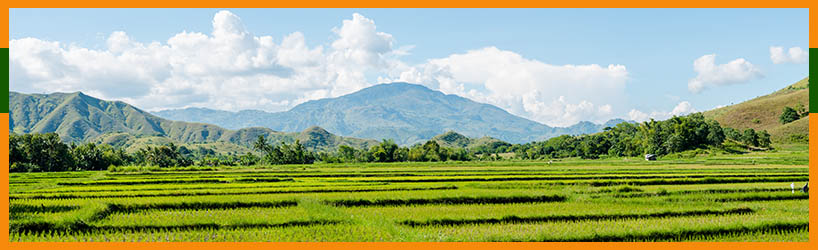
(77, 117)
(406, 113)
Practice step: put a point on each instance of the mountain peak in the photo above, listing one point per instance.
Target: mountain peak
(405, 112)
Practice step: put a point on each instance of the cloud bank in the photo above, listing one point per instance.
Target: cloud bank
(232, 68)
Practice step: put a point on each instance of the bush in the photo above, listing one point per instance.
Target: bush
(788, 115)
(799, 138)
(21, 167)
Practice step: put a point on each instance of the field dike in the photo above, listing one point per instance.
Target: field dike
(573, 218)
(568, 178)
(171, 181)
(685, 234)
(82, 220)
(691, 181)
(20, 208)
(797, 196)
(447, 201)
(704, 191)
(91, 196)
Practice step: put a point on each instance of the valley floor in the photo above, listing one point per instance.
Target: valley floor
(713, 198)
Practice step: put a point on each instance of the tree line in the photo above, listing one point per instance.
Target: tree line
(46, 152)
(674, 135)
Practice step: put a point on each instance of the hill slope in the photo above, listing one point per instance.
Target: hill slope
(77, 117)
(453, 139)
(406, 113)
(762, 113)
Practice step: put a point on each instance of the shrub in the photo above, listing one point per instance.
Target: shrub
(20, 167)
(788, 115)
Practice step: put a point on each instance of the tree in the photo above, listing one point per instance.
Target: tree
(715, 134)
(285, 153)
(764, 139)
(802, 111)
(347, 153)
(164, 156)
(788, 115)
(417, 153)
(89, 157)
(39, 152)
(386, 151)
(432, 151)
(749, 137)
(248, 159)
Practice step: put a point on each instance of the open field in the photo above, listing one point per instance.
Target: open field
(715, 198)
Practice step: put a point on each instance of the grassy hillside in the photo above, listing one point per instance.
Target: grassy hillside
(453, 139)
(77, 117)
(762, 113)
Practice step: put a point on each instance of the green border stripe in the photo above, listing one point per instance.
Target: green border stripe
(813, 68)
(4, 103)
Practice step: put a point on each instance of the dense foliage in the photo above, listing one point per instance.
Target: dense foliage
(652, 137)
(46, 152)
(283, 154)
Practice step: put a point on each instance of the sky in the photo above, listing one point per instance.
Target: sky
(554, 66)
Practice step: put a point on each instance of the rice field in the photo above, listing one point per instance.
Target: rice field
(712, 199)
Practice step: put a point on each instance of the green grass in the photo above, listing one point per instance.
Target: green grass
(717, 197)
(762, 113)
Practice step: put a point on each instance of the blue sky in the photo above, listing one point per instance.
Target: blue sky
(531, 62)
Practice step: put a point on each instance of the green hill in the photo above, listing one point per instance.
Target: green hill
(762, 113)
(77, 117)
(453, 139)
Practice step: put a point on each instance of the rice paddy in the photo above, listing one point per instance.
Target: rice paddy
(712, 199)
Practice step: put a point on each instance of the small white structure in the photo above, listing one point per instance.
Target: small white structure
(793, 187)
(650, 157)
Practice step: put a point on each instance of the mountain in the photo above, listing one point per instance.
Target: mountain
(762, 113)
(406, 113)
(77, 117)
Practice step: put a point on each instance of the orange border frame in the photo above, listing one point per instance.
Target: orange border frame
(4, 123)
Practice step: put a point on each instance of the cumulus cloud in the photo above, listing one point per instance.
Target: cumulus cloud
(556, 95)
(711, 74)
(683, 108)
(231, 68)
(793, 55)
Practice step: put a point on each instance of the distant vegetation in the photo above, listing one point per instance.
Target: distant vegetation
(45, 152)
(654, 137)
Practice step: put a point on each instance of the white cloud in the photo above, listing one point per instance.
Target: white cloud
(793, 55)
(712, 74)
(358, 42)
(556, 95)
(683, 108)
(232, 69)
